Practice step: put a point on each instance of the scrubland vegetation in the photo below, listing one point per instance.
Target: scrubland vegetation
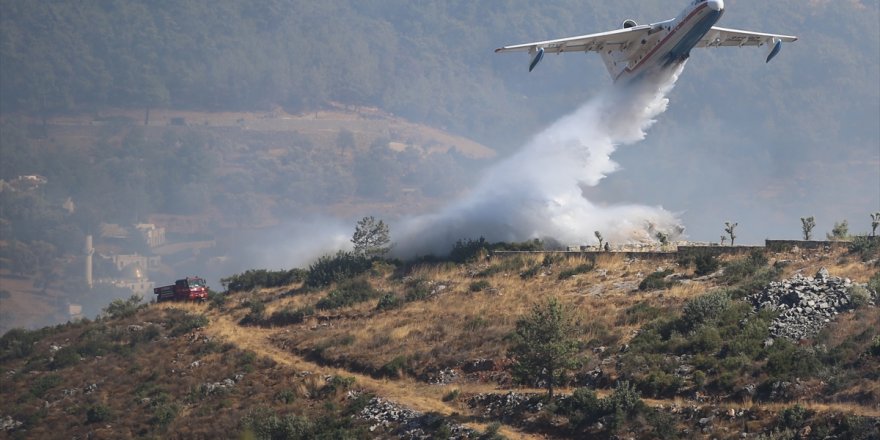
(649, 348)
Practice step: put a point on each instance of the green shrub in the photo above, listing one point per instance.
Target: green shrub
(285, 396)
(475, 323)
(388, 301)
(256, 278)
(394, 367)
(479, 286)
(704, 309)
(43, 384)
(793, 417)
(348, 293)
(65, 357)
(705, 339)
(262, 423)
(123, 308)
(467, 250)
(183, 323)
(340, 267)
(417, 290)
(639, 312)
(530, 272)
(577, 270)
(165, 413)
(858, 296)
(290, 316)
(657, 281)
(865, 247)
(340, 383)
(787, 361)
(98, 413)
(18, 342)
(451, 396)
(875, 346)
(705, 264)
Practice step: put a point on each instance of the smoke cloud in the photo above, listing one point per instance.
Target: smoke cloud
(537, 192)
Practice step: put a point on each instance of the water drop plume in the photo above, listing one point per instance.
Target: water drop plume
(537, 192)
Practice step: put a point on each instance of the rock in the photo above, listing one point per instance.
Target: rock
(8, 423)
(805, 304)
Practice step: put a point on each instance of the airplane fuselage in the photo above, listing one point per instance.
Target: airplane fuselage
(667, 43)
(631, 51)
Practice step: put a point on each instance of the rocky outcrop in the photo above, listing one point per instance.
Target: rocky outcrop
(387, 417)
(807, 304)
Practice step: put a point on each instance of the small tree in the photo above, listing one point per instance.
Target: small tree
(723, 240)
(875, 223)
(839, 232)
(728, 228)
(807, 225)
(543, 345)
(662, 238)
(599, 237)
(371, 238)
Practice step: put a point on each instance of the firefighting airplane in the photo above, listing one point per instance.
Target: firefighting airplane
(632, 50)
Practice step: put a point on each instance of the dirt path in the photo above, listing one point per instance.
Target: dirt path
(407, 392)
(428, 398)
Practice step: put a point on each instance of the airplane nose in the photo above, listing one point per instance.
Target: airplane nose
(716, 5)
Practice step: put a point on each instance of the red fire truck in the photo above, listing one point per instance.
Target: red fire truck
(187, 289)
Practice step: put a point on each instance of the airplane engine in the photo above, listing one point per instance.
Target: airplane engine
(629, 23)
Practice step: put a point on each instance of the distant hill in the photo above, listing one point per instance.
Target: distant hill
(666, 344)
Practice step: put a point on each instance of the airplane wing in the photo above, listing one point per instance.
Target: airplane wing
(718, 36)
(583, 43)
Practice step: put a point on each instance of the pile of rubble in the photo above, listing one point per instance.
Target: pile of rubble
(506, 406)
(388, 417)
(808, 304)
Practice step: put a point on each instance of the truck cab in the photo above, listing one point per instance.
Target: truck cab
(186, 289)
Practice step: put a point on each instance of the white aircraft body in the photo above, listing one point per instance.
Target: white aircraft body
(632, 50)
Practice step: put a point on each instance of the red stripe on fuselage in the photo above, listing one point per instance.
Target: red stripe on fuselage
(671, 33)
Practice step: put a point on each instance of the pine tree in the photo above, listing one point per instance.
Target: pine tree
(544, 346)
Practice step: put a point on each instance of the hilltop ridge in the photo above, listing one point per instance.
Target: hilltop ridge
(420, 350)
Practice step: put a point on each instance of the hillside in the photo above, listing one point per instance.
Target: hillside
(669, 344)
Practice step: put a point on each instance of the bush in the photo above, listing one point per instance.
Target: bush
(348, 293)
(289, 316)
(417, 290)
(252, 279)
(18, 342)
(858, 296)
(865, 247)
(452, 395)
(750, 272)
(582, 268)
(388, 301)
(43, 384)
(97, 414)
(467, 250)
(165, 413)
(705, 264)
(704, 309)
(65, 357)
(262, 423)
(183, 323)
(394, 367)
(331, 269)
(657, 281)
(123, 308)
(874, 285)
(787, 361)
(793, 417)
(530, 272)
(479, 286)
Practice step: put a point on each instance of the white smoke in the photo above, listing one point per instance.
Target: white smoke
(536, 193)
